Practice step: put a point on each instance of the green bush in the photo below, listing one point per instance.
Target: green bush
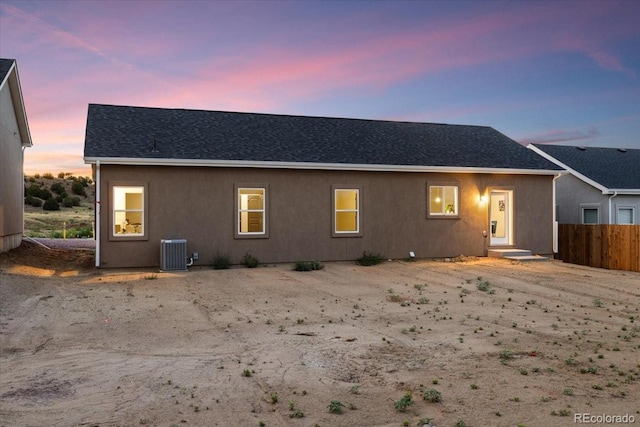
(70, 202)
(57, 188)
(369, 258)
(32, 201)
(249, 261)
(78, 188)
(47, 175)
(51, 205)
(307, 266)
(36, 191)
(221, 261)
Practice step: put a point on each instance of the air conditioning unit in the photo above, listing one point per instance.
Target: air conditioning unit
(173, 255)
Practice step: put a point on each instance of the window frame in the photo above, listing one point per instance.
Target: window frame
(443, 185)
(633, 214)
(358, 210)
(585, 207)
(237, 211)
(113, 236)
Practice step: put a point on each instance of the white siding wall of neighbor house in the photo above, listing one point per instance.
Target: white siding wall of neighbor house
(11, 175)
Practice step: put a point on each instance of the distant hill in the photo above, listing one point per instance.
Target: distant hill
(74, 198)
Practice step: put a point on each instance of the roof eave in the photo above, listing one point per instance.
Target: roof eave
(13, 80)
(310, 166)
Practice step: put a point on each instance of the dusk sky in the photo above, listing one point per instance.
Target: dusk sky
(546, 72)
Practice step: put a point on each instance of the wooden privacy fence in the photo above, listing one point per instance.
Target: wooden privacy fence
(601, 245)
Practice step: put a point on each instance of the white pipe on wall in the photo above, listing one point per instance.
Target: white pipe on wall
(97, 235)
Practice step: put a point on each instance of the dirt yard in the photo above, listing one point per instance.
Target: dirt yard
(498, 343)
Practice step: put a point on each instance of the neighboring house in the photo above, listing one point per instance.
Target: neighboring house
(602, 186)
(14, 138)
(288, 188)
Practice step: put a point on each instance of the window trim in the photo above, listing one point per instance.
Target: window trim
(444, 215)
(236, 211)
(589, 206)
(334, 190)
(112, 185)
(633, 214)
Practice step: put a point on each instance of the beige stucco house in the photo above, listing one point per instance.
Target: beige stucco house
(14, 138)
(288, 188)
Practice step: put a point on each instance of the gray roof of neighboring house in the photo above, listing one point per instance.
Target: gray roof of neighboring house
(178, 134)
(612, 168)
(5, 66)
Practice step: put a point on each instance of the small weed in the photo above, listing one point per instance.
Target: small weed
(460, 423)
(249, 261)
(523, 371)
(221, 261)
(432, 395)
(568, 391)
(246, 373)
(418, 287)
(402, 404)
(474, 386)
(274, 398)
(151, 277)
(423, 421)
(355, 389)
(307, 266)
(261, 424)
(143, 421)
(596, 387)
(434, 381)
(571, 361)
(484, 286)
(597, 302)
(335, 407)
(369, 258)
(297, 414)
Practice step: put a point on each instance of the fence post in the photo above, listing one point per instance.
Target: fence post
(64, 230)
(93, 230)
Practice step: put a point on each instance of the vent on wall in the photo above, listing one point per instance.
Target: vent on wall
(173, 254)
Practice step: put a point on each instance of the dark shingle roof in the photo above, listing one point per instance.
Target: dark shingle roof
(610, 167)
(130, 132)
(5, 66)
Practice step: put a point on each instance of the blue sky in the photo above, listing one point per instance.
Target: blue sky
(549, 71)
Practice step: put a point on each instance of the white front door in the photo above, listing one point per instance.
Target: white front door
(501, 217)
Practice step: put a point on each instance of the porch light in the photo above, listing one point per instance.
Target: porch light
(483, 199)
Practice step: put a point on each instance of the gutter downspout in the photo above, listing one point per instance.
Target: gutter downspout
(98, 213)
(555, 219)
(615, 193)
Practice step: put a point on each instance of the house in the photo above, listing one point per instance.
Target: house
(14, 138)
(602, 186)
(287, 188)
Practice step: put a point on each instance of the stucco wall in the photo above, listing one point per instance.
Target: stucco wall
(11, 175)
(573, 193)
(198, 204)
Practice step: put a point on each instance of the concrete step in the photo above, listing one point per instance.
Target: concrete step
(502, 253)
(527, 258)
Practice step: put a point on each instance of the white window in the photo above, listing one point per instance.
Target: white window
(251, 211)
(443, 200)
(590, 216)
(346, 204)
(626, 215)
(128, 204)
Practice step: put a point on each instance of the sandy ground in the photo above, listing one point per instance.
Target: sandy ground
(270, 346)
